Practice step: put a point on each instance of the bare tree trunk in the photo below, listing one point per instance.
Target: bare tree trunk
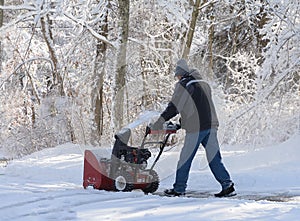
(191, 31)
(1, 23)
(262, 20)
(99, 71)
(121, 63)
(211, 32)
(1, 13)
(146, 95)
(210, 47)
(47, 33)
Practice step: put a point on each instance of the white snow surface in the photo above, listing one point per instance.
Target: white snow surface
(47, 185)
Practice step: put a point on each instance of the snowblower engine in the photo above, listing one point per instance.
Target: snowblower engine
(129, 154)
(135, 155)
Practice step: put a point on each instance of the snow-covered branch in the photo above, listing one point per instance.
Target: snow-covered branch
(18, 7)
(90, 29)
(22, 64)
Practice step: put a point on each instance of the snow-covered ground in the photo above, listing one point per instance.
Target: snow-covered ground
(47, 185)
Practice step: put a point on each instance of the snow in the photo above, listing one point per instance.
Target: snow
(48, 185)
(146, 116)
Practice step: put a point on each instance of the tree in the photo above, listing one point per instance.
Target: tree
(120, 78)
(99, 71)
(1, 23)
(191, 30)
(53, 37)
(1, 13)
(57, 80)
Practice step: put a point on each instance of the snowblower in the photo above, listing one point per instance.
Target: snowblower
(127, 168)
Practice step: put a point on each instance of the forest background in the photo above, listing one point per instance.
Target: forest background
(78, 71)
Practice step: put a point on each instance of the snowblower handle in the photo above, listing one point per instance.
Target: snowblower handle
(148, 130)
(168, 128)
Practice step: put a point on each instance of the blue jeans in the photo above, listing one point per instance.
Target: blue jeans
(208, 138)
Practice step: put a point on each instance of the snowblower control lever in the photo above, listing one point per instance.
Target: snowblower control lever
(168, 129)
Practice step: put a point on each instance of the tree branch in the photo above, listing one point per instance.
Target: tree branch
(90, 29)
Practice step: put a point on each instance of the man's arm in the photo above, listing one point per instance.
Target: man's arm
(176, 104)
(169, 112)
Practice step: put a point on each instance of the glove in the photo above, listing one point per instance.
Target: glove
(158, 125)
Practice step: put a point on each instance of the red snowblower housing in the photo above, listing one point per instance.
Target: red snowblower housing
(127, 168)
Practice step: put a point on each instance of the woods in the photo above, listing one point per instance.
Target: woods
(78, 71)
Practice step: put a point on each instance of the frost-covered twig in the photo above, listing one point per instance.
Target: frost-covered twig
(23, 63)
(18, 7)
(90, 29)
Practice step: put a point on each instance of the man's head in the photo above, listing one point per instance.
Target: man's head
(181, 68)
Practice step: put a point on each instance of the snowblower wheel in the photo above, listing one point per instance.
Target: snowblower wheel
(124, 182)
(153, 184)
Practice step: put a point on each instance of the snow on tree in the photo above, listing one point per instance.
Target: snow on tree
(59, 65)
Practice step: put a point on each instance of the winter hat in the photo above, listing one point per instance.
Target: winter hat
(182, 68)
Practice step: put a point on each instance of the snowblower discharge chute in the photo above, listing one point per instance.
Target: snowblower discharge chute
(127, 168)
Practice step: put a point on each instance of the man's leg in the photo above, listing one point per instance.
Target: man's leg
(188, 152)
(214, 159)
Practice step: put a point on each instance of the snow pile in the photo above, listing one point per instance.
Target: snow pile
(48, 185)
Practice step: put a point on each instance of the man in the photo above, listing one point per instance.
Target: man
(192, 99)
